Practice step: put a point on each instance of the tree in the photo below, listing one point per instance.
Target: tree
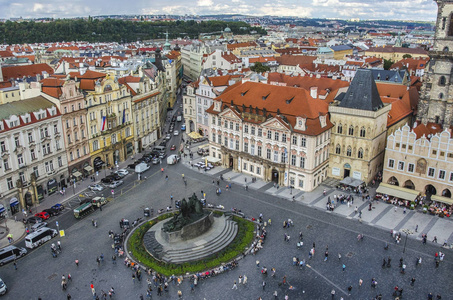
(387, 64)
(407, 56)
(259, 68)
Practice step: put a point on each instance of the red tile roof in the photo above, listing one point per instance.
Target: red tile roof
(52, 86)
(87, 75)
(14, 72)
(427, 130)
(231, 58)
(294, 60)
(241, 45)
(307, 82)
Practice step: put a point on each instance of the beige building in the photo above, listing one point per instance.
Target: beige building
(189, 107)
(420, 159)
(358, 138)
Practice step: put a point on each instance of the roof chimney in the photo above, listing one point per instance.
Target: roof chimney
(314, 92)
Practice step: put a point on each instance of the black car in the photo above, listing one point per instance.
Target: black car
(58, 206)
(34, 220)
(108, 179)
(132, 165)
(116, 177)
(163, 143)
(51, 211)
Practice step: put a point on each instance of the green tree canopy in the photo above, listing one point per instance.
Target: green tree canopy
(259, 68)
(387, 64)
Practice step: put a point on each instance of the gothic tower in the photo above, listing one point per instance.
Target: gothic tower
(436, 95)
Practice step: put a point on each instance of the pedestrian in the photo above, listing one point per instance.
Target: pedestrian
(245, 280)
(179, 294)
(77, 262)
(384, 263)
(339, 256)
(413, 281)
(15, 265)
(435, 239)
(102, 257)
(166, 177)
(275, 294)
(344, 267)
(240, 279)
(264, 285)
(360, 282)
(133, 277)
(350, 289)
(333, 294)
(114, 259)
(326, 255)
(394, 208)
(68, 297)
(235, 287)
(416, 228)
(388, 262)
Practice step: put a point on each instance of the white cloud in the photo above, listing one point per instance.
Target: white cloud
(205, 3)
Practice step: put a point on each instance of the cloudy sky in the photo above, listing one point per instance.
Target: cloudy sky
(344, 9)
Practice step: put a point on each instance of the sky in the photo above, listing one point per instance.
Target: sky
(418, 10)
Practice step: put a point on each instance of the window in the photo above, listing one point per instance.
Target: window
(451, 176)
(269, 134)
(246, 147)
(71, 156)
(60, 161)
(276, 136)
(2, 146)
(231, 125)
(302, 162)
(360, 153)
(338, 149)
(95, 145)
(231, 144)
(293, 160)
(10, 183)
(442, 174)
(275, 156)
(362, 132)
(401, 165)
(434, 152)
(259, 151)
(301, 183)
(349, 151)
(246, 128)
(251, 168)
(258, 170)
(226, 124)
(226, 141)
(268, 154)
(6, 164)
(237, 126)
(391, 163)
(213, 120)
(245, 166)
(340, 129)
(237, 145)
(219, 139)
(442, 81)
(36, 172)
(260, 132)
(284, 157)
(219, 122)
(410, 168)
(351, 130)
(30, 137)
(55, 128)
(16, 141)
(303, 142)
(69, 139)
(252, 130)
(45, 149)
(284, 137)
(20, 160)
(213, 137)
(294, 140)
(431, 172)
(252, 149)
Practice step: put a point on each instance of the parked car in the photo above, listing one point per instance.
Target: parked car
(38, 225)
(162, 155)
(96, 187)
(43, 215)
(115, 184)
(173, 147)
(122, 172)
(51, 211)
(108, 179)
(176, 132)
(3, 288)
(168, 136)
(156, 160)
(183, 127)
(163, 143)
(58, 206)
(132, 165)
(115, 176)
(34, 220)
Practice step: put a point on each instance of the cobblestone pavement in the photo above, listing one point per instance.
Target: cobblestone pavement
(39, 275)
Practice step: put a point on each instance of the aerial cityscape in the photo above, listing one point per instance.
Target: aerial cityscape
(226, 149)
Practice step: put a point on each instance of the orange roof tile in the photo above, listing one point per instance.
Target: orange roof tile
(427, 130)
(241, 45)
(14, 72)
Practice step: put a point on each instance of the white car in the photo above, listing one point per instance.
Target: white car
(168, 136)
(3, 288)
(176, 132)
(122, 172)
(115, 184)
(36, 226)
(96, 187)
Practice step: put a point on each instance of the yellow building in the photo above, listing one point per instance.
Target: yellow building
(395, 53)
(109, 118)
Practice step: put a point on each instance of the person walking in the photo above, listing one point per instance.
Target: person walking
(15, 265)
(264, 285)
(344, 267)
(235, 286)
(245, 280)
(77, 262)
(326, 255)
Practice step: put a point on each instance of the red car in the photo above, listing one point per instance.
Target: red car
(173, 147)
(43, 215)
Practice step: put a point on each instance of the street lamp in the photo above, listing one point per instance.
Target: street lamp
(407, 232)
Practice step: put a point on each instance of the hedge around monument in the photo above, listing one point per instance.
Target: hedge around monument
(242, 240)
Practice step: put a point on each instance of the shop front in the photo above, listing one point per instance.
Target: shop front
(14, 205)
(40, 191)
(130, 149)
(52, 186)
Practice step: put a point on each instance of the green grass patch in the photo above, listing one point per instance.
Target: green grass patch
(243, 239)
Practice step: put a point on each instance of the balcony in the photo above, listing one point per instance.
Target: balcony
(21, 166)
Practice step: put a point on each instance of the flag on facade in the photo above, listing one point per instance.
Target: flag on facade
(104, 120)
(124, 116)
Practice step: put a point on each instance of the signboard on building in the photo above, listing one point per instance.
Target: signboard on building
(336, 171)
(357, 175)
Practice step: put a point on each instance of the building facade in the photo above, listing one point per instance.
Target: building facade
(34, 162)
(190, 107)
(274, 133)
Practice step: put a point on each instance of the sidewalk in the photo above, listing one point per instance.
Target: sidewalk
(382, 215)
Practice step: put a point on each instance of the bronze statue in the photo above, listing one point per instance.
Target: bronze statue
(189, 212)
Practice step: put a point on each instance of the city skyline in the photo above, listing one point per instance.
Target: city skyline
(416, 10)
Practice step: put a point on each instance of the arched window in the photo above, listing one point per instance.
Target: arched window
(362, 132)
(446, 49)
(442, 81)
(340, 129)
(351, 130)
(338, 149)
(349, 151)
(441, 95)
(360, 153)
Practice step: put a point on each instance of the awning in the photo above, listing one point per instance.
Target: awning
(212, 159)
(88, 168)
(13, 201)
(396, 191)
(195, 135)
(77, 174)
(351, 182)
(442, 199)
(2, 208)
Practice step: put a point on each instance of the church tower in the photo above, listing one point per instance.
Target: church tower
(436, 95)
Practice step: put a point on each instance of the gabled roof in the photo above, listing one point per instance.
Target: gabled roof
(52, 86)
(231, 58)
(427, 130)
(362, 93)
(87, 75)
(294, 60)
(24, 106)
(241, 45)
